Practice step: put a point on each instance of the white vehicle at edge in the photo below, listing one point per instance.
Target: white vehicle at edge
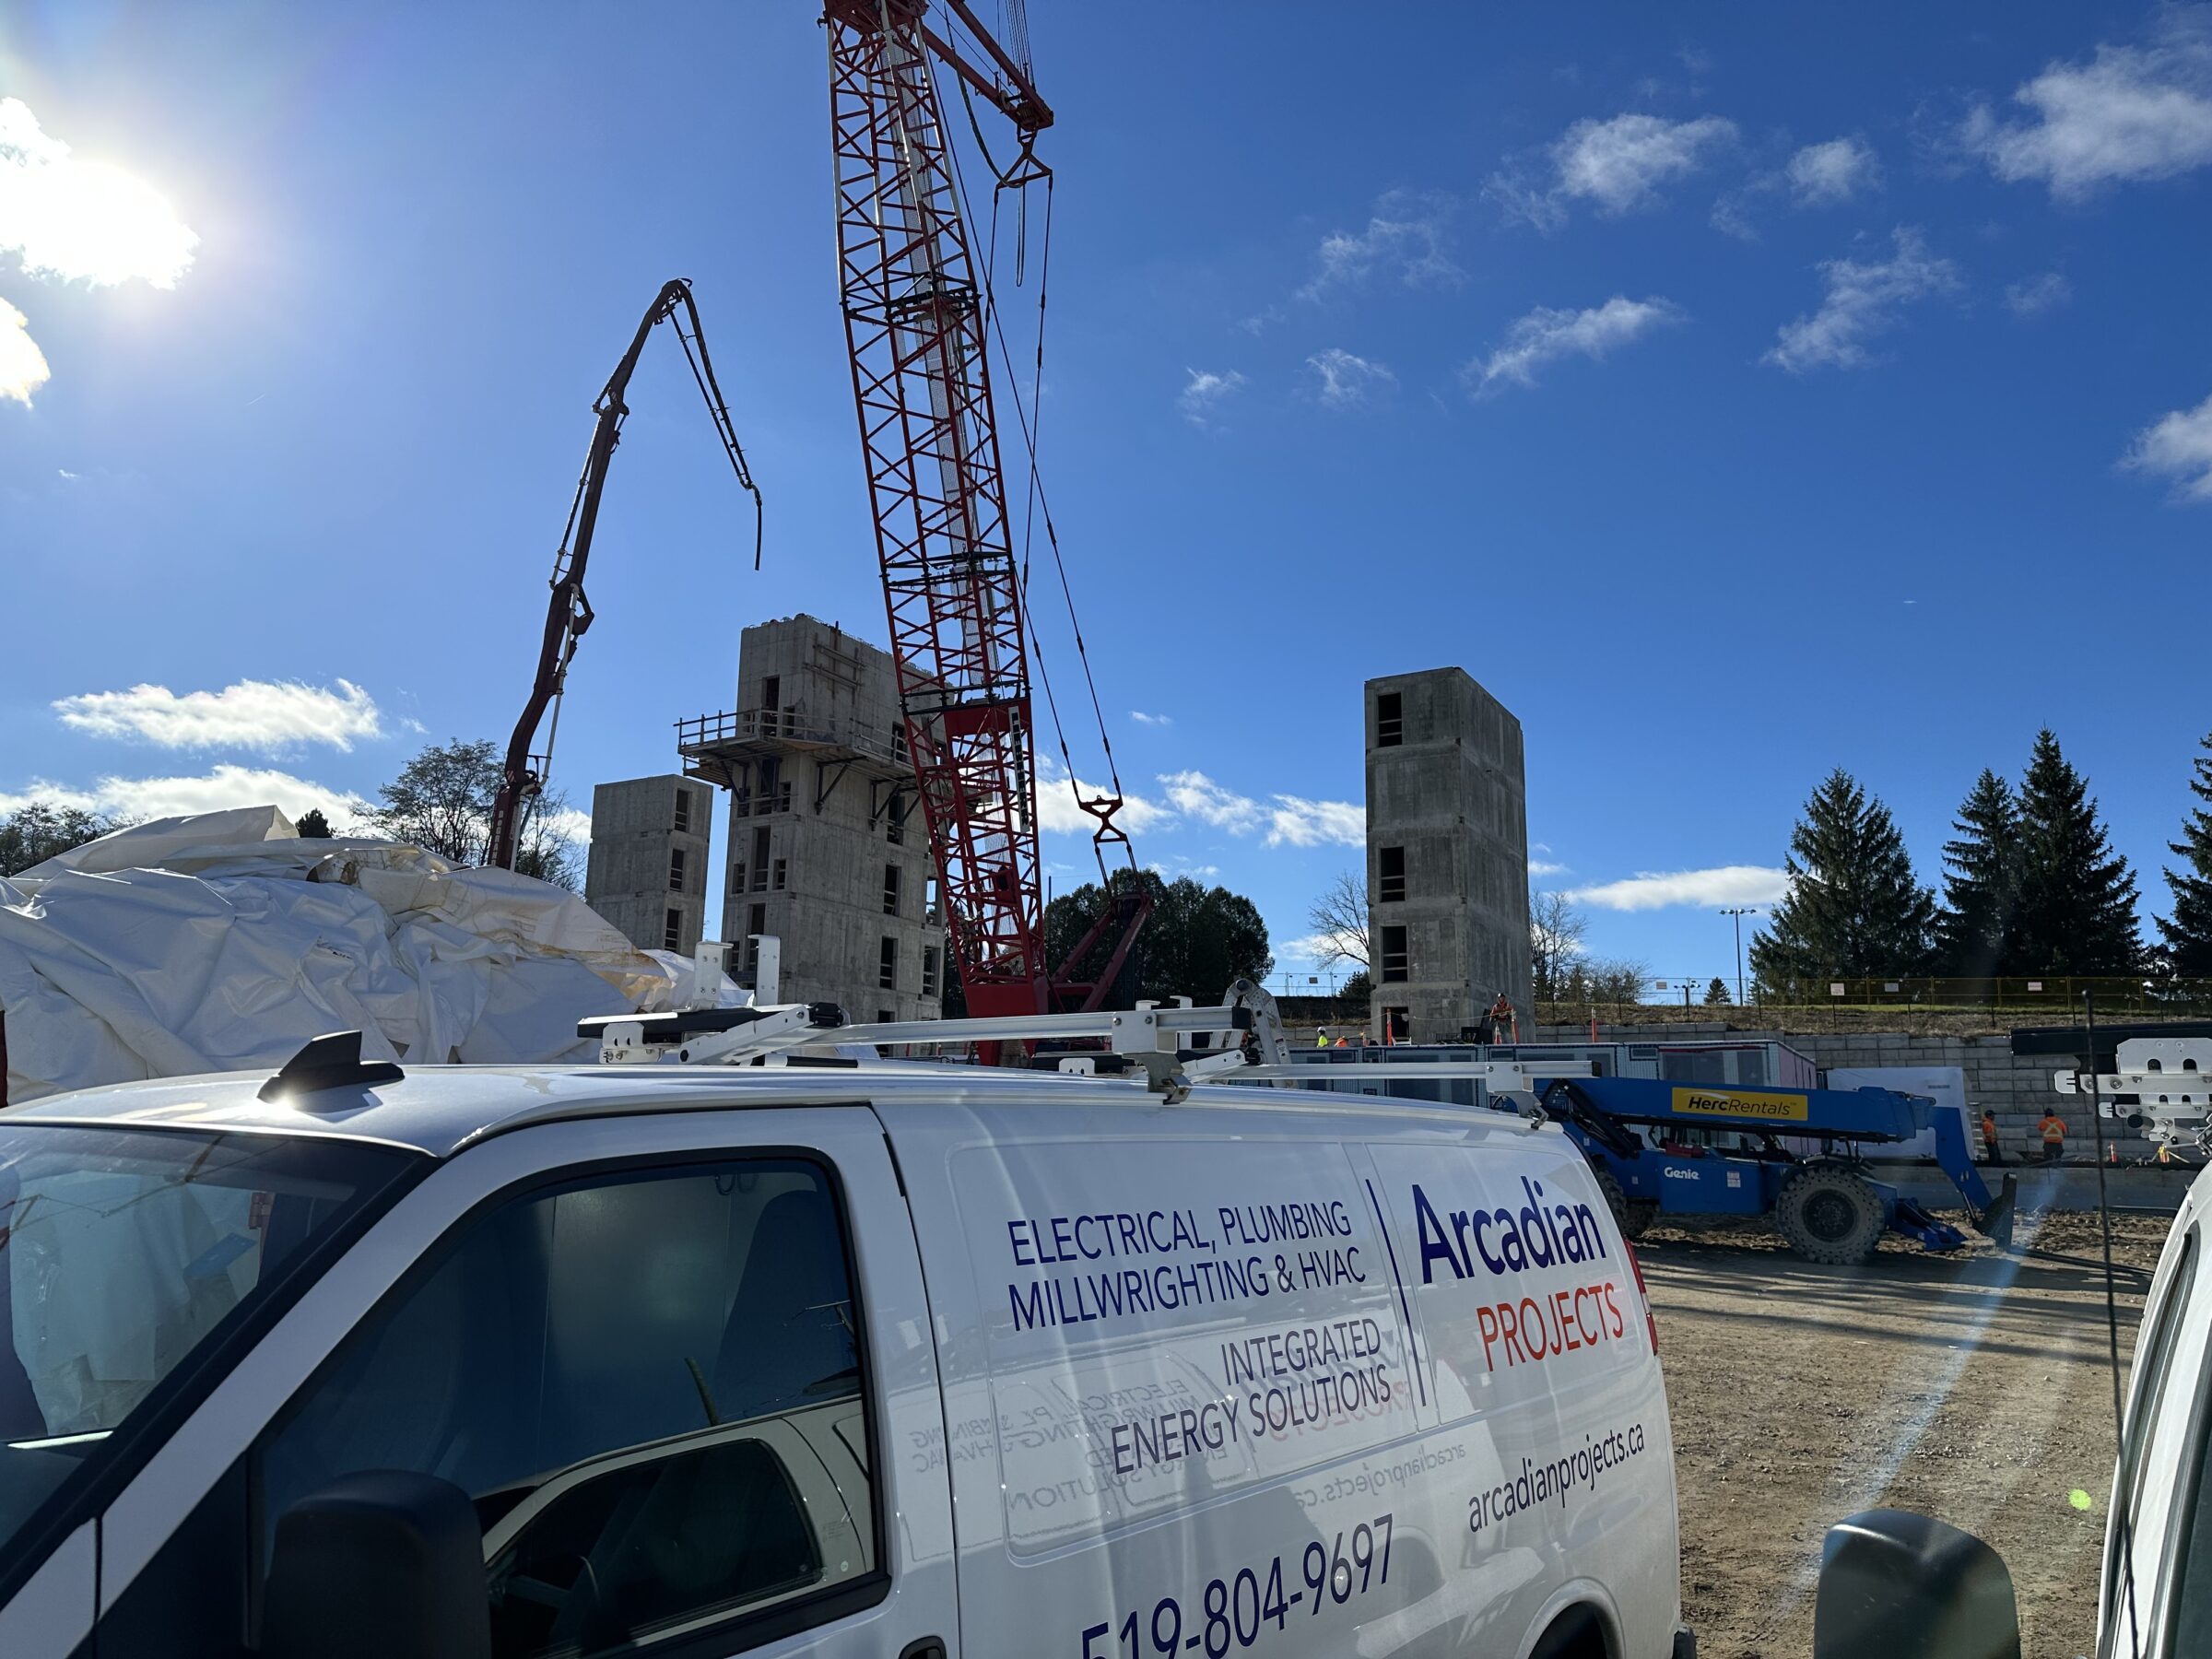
(2155, 1597)
(864, 1358)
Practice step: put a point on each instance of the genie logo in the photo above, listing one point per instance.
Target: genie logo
(1542, 1233)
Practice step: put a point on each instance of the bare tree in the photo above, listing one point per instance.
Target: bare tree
(442, 803)
(1338, 919)
(1616, 979)
(37, 831)
(1554, 939)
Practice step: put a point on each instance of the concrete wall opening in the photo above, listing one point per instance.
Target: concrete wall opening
(1390, 872)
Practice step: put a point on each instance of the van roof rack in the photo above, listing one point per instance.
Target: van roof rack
(1171, 1046)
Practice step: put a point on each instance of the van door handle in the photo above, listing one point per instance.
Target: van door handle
(929, 1647)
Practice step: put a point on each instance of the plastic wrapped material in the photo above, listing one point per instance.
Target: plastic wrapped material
(222, 942)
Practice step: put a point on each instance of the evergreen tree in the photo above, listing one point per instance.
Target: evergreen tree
(2188, 932)
(1853, 907)
(2078, 897)
(312, 824)
(1981, 884)
(1716, 993)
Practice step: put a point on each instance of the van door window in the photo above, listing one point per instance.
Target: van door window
(650, 1384)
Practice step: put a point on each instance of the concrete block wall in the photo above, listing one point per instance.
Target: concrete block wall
(631, 877)
(1450, 793)
(814, 873)
(2018, 1089)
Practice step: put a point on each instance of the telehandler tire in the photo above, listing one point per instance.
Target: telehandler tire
(1831, 1216)
(1631, 1214)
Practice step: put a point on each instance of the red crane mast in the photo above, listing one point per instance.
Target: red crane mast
(916, 324)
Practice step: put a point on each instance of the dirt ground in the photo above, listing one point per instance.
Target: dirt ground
(1973, 1387)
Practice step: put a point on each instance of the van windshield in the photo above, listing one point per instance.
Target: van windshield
(127, 1259)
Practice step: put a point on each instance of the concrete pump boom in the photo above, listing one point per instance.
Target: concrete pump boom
(569, 613)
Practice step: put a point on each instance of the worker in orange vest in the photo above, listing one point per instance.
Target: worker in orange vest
(1991, 1152)
(2054, 1131)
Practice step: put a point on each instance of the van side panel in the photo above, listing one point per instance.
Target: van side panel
(1534, 1335)
(1184, 1411)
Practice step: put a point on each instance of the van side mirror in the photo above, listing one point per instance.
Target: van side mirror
(378, 1565)
(1896, 1585)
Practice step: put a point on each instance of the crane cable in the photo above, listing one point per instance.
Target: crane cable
(1027, 171)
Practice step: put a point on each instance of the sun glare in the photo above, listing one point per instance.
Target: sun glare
(86, 221)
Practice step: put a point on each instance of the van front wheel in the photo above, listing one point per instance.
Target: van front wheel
(1829, 1216)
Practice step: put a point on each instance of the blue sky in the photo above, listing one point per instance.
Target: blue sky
(1735, 393)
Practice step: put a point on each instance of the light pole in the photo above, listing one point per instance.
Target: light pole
(1739, 912)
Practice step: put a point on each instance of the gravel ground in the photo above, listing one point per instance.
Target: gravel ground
(1973, 1387)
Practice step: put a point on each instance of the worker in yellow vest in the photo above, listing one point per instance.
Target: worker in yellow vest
(1322, 1040)
(2054, 1131)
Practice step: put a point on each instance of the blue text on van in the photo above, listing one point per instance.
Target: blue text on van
(1539, 1234)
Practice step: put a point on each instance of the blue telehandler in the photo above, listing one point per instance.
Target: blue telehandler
(1660, 1147)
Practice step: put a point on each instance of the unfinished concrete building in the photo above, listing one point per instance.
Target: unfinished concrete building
(827, 847)
(647, 872)
(1447, 856)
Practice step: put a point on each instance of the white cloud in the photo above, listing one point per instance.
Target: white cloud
(1297, 822)
(1620, 165)
(1313, 949)
(264, 716)
(1151, 720)
(22, 365)
(1058, 813)
(1206, 393)
(223, 787)
(1288, 819)
(2037, 295)
(1545, 335)
(571, 824)
(1197, 795)
(1823, 174)
(82, 220)
(1863, 300)
(1348, 382)
(1544, 867)
(2130, 114)
(2178, 446)
(1404, 235)
(1730, 884)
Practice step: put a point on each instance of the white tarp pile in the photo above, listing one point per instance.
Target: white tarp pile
(222, 941)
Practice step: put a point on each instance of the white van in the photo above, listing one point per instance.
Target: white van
(860, 1359)
(2155, 1601)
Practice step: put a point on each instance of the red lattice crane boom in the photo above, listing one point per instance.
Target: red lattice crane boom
(917, 324)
